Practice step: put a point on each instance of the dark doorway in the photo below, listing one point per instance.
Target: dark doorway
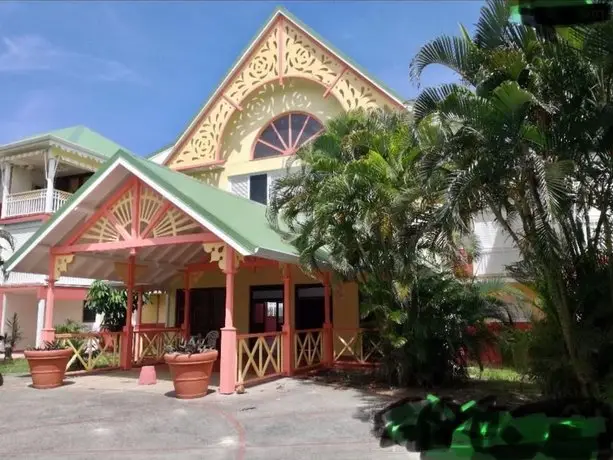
(207, 310)
(310, 307)
(265, 309)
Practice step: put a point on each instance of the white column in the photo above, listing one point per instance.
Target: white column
(3, 313)
(50, 168)
(40, 322)
(6, 171)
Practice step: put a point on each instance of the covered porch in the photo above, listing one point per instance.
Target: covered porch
(155, 230)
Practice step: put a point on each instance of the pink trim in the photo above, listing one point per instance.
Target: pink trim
(232, 103)
(274, 128)
(136, 243)
(186, 310)
(126, 342)
(333, 84)
(136, 210)
(100, 212)
(280, 58)
(122, 231)
(157, 217)
(204, 165)
(292, 149)
(287, 341)
(29, 218)
(228, 366)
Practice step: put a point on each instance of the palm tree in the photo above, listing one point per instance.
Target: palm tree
(525, 137)
(8, 240)
(358, 195)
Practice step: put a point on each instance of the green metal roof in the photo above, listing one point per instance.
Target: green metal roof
(83, 137)
(243, 221)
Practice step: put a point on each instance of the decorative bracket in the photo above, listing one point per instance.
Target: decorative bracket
(61, 265)
(218, 254)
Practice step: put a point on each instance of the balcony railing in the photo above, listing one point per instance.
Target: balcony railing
(32, 202)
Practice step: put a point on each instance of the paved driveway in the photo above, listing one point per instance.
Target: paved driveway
(108, 416)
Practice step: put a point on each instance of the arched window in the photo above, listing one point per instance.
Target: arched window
(286, 134)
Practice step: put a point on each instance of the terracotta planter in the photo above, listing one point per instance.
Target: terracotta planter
(191, 373)
(48, 367)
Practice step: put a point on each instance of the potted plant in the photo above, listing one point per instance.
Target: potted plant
(48, 364)
(190, 363)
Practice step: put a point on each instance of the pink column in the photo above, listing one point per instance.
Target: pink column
(186, 326)
(126, 346)
(48, 332)
(328, 339)
(228, 362)
(288, 323)
(139, 308)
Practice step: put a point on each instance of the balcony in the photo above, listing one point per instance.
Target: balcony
(32, 202)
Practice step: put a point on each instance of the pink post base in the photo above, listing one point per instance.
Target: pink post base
(48, 335)
(125, 356)
(328, 345)
(287, 342)
(227, 368)
(147, 376)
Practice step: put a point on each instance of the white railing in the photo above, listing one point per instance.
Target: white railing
(32, 202)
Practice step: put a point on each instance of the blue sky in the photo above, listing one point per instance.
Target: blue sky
(137, 72)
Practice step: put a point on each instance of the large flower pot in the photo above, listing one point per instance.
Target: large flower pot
(191, 373)
(48, 367)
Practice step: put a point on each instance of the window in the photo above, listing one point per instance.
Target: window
(286, 134)
(89, 316)
(258, 188)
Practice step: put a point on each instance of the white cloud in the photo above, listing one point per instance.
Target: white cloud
(34, 113)
(33, 53)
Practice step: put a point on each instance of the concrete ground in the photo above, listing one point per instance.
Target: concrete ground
(109, 416)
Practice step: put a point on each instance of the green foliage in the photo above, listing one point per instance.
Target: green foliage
(49, 346)
(527, 138)
(189, 347)
(111, 302)
(359, 196)
(69, 327)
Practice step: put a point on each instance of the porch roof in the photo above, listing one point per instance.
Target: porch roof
(240, 222)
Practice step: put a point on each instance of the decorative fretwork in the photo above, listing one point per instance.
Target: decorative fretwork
(202, 147)
(284, 52)
(92, 350)
(355, 93)
(259, 356)
(217, 252)
(169, 221)
(174, 223)
(357, 345)
(305, 58)
(61, 264)
(262, 67)
(150, 203)
(121, 210)
(308, 348)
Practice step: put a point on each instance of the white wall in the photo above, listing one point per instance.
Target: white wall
(26, 307)
(497, 247)
(23, 180)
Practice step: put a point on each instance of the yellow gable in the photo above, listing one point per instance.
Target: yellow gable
(282, 51)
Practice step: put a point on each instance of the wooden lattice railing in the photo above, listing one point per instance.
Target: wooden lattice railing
(150, 344)
(359, 346)
(259, 356)
(308, 348)
(92, 350)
